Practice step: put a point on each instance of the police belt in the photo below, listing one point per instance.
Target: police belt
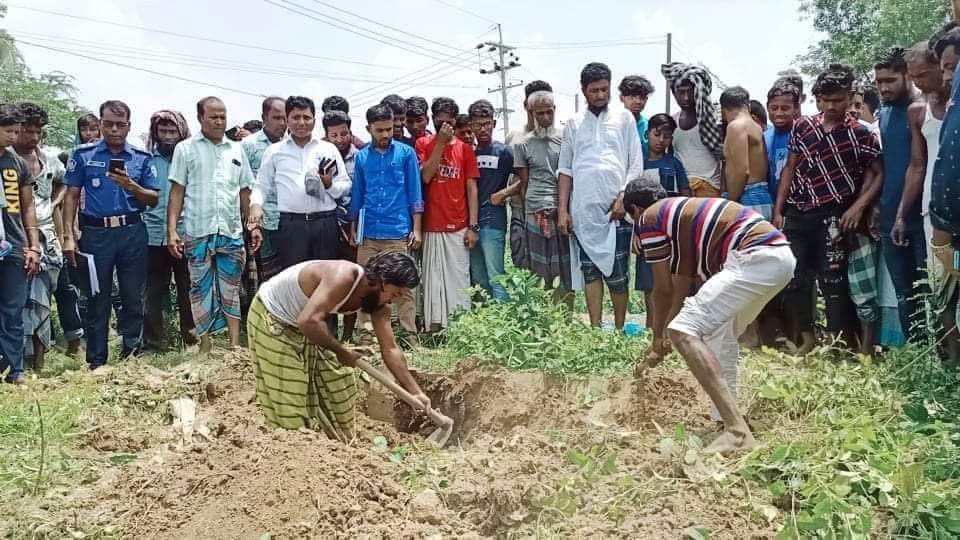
(111, 222)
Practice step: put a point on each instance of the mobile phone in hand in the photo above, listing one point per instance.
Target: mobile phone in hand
(328, 167)
(118, 166)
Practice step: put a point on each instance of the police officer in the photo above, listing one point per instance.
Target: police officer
(112, 229)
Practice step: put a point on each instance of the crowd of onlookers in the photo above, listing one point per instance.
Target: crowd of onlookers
(863, 190)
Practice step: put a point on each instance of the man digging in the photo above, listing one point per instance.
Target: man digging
(744, 260)
(303, 373)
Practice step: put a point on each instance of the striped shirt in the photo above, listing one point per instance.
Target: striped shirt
(695, 235)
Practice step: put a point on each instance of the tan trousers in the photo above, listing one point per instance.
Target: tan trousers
(405, 306)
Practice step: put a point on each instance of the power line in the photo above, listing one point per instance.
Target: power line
(145, 70)
(597, 46)
(385, 25)
(368, 34)
(224, 64)
(419, 73)
(722, 85)
(525, 44)
(416, 75)
(198, 38)
(467, 11)
(446, 72)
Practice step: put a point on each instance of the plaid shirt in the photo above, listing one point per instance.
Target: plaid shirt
(832, 163)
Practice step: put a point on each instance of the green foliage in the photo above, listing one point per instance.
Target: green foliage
(874, 450)
(531, 332)
(53, 91)
(859, 31)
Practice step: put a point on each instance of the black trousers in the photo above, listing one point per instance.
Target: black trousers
(308, 237)
(160, 265)
(821, 260)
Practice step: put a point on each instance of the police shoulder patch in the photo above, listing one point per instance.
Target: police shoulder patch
(71, 165)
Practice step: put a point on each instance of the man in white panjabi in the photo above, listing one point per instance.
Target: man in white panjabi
(599, 155)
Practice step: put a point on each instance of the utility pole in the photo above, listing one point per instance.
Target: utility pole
(667, 91)
(508, 61)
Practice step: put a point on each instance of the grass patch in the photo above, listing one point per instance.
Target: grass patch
(530, 332)
(857, 449)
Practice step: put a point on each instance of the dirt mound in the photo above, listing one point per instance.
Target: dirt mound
(484, 402)
(533, 454)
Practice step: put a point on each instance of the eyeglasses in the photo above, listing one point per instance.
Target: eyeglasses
(108, 125)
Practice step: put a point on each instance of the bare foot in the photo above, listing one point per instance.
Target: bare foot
(206, 345)
(727, 442)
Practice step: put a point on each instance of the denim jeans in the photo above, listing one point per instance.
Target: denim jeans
(907, 265)
(68, 310)
(486, 261)
(13, 283)
(123, 249)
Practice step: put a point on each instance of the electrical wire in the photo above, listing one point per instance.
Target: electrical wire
(144, 70)
(467, 11)
(145, 55)
(384, 25)
(420, 71)
(385, 39)
(198, 38)
(448, 71)
(686, 52)
(598, 46)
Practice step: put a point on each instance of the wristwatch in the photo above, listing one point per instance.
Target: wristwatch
(475, 227)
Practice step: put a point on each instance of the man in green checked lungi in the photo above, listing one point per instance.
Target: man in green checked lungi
(304, 375)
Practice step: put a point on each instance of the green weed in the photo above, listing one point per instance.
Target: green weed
(531, 332)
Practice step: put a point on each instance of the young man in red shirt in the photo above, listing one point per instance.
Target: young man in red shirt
(451, 219)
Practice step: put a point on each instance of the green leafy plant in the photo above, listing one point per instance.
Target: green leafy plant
(532, 332)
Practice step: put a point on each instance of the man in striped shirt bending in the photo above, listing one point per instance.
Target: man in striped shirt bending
(743, 259)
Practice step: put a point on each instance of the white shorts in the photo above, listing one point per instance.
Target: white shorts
(737, 293)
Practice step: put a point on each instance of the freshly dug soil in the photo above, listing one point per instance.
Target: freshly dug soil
(532, 454)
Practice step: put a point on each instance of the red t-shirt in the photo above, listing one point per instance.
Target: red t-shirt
(445, 197)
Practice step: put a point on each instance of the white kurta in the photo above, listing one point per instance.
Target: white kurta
(602, 154)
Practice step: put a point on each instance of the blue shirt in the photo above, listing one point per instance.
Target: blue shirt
(495, 162)
(945, 183)
(642, 131)
(156, 218)
(778, 151)
(670, 172)
(896, 139)
(103, 198)
(386, 185)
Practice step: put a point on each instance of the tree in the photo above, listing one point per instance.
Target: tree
(52, 91)
(860, 31)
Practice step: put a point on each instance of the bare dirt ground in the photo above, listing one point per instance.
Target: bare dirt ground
(533, 455)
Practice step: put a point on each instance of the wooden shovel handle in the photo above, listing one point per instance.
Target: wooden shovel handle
(394, 387)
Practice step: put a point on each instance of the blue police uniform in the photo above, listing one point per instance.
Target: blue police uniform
(112, 230)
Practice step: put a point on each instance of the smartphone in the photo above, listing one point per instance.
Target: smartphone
(118, 166)
(232, 133)
(328, 168)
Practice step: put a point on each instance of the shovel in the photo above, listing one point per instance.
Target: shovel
(441, 435)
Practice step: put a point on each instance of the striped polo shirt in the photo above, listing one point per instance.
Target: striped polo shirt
(696, 235)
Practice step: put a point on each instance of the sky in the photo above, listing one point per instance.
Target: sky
(365, 49)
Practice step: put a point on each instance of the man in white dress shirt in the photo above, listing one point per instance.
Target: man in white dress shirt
(599, 155)
(308, 176)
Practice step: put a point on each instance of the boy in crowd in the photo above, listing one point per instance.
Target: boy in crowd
(464, 129)
(451, 221)
(19, 232)
(746, 160)
(337, 130)
(783, 108)
(664, 168)
(387, 191)
(832, 177)
(495, 162)
(635, 90)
